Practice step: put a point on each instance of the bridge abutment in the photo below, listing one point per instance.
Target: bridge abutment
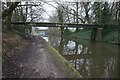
(98, 34)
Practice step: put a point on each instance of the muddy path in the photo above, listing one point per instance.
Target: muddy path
(32, 60)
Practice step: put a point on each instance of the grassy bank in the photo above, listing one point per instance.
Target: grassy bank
(9, 41)
(110, 37)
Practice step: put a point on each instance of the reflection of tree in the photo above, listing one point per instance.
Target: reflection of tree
(82, 68)
(76, 51)
(112, 67)
(61, 46)
(98, 65)
(54, 41)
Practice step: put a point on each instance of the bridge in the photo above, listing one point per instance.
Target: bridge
(70, 25)
(46, 24)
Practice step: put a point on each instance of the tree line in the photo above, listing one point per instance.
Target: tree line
(104, 14)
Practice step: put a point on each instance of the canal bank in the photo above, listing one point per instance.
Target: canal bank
(36, 59)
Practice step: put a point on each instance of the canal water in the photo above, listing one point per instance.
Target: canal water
(91, 59)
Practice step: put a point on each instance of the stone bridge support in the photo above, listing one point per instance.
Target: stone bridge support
(96, 34)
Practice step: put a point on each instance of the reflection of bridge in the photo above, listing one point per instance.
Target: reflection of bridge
(97, 50)
(83, 56)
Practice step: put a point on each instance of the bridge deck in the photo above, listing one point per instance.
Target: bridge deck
(46, 24)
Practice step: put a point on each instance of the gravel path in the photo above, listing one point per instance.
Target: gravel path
(30, 60)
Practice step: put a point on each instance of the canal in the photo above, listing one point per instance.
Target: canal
(91, 59)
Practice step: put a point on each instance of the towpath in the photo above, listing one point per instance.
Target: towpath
(32, 59)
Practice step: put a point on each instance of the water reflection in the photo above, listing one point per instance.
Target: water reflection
(91, 59)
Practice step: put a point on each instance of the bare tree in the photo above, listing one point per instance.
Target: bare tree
(7, 14)
(9, 10)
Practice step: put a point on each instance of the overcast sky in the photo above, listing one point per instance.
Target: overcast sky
(62, 0)
(50, 9)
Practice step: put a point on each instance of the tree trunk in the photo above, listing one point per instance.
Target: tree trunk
(7, 14)
(8, 11)
(8, 22)
(93, 34)
(60, 17)
(77, 28)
